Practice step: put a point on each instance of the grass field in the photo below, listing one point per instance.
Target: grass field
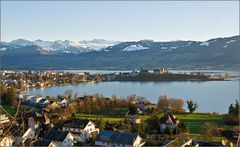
(196, 121)
(12, 110)
(193, 121)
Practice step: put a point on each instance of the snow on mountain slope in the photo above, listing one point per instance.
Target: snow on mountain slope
(135, 48)
(67, 46)
(21, 42)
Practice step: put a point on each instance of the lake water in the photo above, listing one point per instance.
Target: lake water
(211, 96)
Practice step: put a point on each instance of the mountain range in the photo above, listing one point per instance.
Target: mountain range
(216, 53)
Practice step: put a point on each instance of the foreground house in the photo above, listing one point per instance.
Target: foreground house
(4, 118)
(46, 143)
(20, 134)
(61, 138)
(6, 141)
(111, 138)
(38, 120)
(82, 129)
(168, 120)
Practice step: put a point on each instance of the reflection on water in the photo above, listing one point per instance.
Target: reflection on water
(212, 96)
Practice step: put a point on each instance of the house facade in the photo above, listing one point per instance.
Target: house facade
(168, 120)
(21, 138)
(4, 118)
(6, 141)
(60, 138)
(82, 129)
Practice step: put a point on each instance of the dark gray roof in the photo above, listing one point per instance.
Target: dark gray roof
(42, 143)
(55, 135)
(116, 137)
(76, 123)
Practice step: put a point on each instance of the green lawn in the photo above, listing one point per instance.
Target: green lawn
(12, 110)
(96, 116)
(193, 121)
(196, 121)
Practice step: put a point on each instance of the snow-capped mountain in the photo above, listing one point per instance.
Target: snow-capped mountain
(67, 46)
(20, 42)
(135, 48)
(98, 53)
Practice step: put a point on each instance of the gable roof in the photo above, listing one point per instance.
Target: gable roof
(55, 135)
(76, 123)
(42, 142)
(116, 137)
(169, 116)
(42, 118)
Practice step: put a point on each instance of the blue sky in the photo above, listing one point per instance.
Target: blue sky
(118, 20)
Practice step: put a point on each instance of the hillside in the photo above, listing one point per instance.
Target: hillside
(218, 53)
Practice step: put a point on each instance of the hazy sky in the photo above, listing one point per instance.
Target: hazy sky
(118, 20)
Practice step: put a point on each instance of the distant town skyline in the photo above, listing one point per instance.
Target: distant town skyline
(119, 20)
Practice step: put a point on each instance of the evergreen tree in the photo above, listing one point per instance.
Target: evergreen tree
(231, 109)
(11, 98)
(236, 111)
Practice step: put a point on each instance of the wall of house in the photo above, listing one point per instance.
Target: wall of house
(32, 124)
(77, 133)
(82, 135)
(30, 133)
(137, 142)
(52, 145)
(68, 141)
(90, 127)
(6, 141)
(101, 143)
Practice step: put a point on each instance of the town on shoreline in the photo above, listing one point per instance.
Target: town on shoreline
(38, 79)
(70, 120)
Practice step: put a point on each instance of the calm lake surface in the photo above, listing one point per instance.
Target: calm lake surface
(212, 96)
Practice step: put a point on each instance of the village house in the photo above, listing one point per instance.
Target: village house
(134, 73)
(135, 119)
(82, 129)
(168, 120)
(63, 102)
(156, 71)
(27, 97)
(40, 84)
(3, 118)
(45, 143)
(163, 70)
(52, 105)
(143, 71)
(61, 138)
(20, 134)
(36, 99)
(38, 120)
(118, 139)
(149, 107)
(6, 141)
(44, 102)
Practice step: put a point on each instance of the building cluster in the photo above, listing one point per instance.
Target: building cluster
(38, 129)
(38, 79)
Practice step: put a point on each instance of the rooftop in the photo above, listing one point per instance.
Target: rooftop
(117, 137)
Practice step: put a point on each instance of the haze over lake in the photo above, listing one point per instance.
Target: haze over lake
(212, 96)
